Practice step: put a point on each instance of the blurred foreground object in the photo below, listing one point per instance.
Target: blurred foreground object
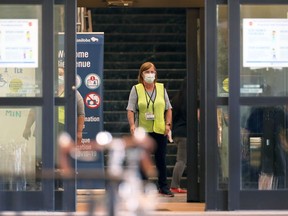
(126, 157)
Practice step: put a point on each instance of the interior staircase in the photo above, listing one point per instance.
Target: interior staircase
(133, 36)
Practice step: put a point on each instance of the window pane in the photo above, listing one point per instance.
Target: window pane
(21, 147)
(20, 62)
(59, 10)
(222, 50)
(264, 147)
(223, 146)
(264, 63)
(60, 74)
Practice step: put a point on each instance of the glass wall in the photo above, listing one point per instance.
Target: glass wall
(246, 114)
(263, 73)
(264, 147)
(222, 51)
(222, 91)
(264, 63)
(20, 76)
(223, 146)
(59, 10)
(20, 148)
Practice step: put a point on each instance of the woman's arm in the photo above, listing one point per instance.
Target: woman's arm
(131, 120)
(168, 120)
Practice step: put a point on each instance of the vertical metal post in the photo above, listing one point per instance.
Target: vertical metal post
(192, 106)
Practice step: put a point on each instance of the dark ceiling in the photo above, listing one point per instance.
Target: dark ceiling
(143, 3)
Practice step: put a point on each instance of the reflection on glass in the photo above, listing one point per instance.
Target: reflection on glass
(223, 144)
(222, 50)
(20, 145)
(59, 11)
(59, 87)
(59, 127)
(264, 61)
(60, 119)
(264, 147)
(61, 84)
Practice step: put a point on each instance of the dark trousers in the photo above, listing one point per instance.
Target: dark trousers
(160, 158)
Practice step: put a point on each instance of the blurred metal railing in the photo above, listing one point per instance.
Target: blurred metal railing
(128, 160)
(126, 192)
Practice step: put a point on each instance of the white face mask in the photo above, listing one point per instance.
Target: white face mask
(149, 78)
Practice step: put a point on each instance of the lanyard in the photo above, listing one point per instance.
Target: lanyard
(150, 98)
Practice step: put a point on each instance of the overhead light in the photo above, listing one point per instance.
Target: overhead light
(119, 3)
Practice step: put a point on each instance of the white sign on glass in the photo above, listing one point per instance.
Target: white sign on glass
(265, 43)
(19, 43)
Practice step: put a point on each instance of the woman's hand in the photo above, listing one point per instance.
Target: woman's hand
(132, 129)
(167, 129)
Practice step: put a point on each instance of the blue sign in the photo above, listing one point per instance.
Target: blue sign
(89, 80)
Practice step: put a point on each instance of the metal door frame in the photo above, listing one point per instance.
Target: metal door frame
(66, 201)
(195, 101)
(215, 199)
(44, 199)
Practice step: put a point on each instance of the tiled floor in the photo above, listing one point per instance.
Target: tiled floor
(160, 203)
(164, 206)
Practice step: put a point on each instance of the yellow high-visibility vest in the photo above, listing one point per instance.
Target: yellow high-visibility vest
(156, 107)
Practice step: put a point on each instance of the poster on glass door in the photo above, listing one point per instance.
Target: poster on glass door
(19, 43)
(265, 43)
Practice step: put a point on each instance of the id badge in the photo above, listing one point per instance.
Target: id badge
(149, 116)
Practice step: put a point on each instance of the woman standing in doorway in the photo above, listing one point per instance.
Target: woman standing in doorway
(149, 107)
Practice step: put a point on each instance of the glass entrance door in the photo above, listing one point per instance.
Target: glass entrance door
(263, 101)
(247, 105)
(29, 104)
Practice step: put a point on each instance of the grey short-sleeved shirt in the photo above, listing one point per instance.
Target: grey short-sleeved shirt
(133, 98)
